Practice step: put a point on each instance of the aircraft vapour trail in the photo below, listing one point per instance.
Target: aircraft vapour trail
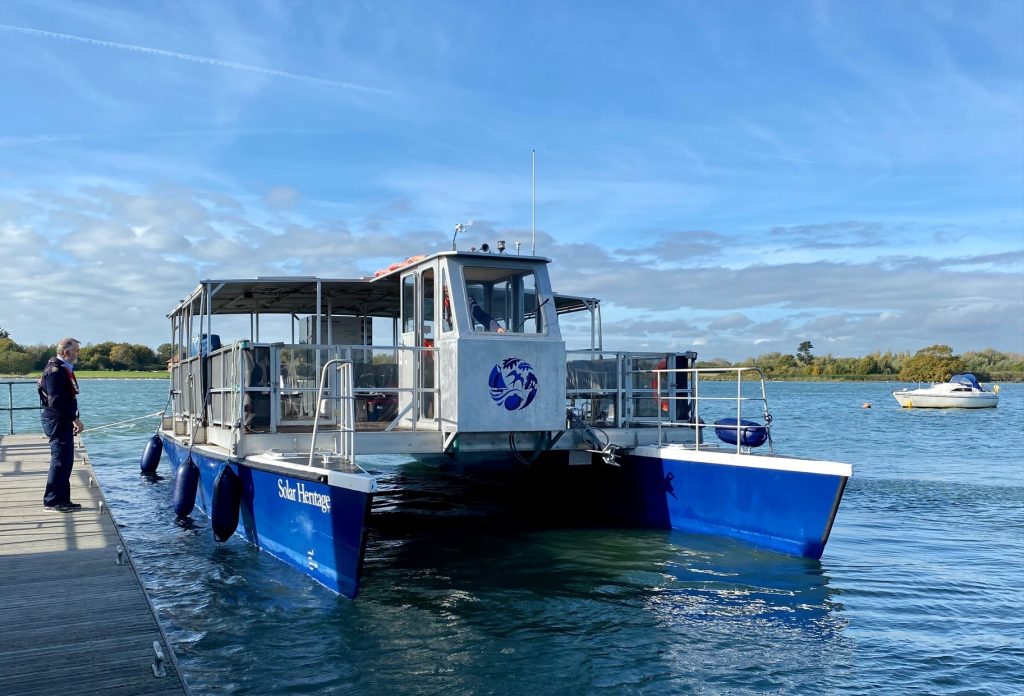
(272, 72)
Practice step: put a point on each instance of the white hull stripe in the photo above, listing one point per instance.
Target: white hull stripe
(753, 461)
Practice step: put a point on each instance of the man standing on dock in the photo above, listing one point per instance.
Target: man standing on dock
(58, 396)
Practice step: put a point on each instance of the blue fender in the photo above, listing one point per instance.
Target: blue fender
(151, 455)
(751, 433)
(227, 495)
(186, 482)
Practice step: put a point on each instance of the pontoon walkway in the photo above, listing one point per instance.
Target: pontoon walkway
(74, 617)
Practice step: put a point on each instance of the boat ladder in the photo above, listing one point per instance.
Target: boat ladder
(344, 448)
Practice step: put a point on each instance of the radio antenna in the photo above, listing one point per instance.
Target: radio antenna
(533, 204)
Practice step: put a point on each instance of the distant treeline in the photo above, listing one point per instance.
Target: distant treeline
(16, 359)
(932, 364)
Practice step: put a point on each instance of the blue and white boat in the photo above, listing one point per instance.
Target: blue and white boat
(961, 391)
(267, 437)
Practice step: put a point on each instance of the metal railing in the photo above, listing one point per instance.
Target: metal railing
(261, 387)
(738, 405)
(10, 408)
(627, 390)
(345, 448)
(620, 389)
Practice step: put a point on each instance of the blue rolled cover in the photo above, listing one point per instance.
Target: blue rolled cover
(751, 433)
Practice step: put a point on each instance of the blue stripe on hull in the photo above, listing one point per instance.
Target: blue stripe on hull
(317, 528)
(786, 511)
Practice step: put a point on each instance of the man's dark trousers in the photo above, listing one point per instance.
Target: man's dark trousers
(62, 458)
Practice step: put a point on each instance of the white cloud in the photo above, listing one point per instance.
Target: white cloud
(282, 197)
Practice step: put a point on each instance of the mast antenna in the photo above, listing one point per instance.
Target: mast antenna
(533, 204)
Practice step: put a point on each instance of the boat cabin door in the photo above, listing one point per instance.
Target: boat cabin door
(416, 369)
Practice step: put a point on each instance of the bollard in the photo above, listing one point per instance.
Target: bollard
(158, 661)
(120, 556)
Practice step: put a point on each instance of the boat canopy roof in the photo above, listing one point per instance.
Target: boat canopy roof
(294, 295)
(378, 296)
(966, 378)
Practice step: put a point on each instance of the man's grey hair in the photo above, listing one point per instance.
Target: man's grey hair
(66, 343)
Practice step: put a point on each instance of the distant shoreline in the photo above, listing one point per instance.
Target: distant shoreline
(99, 374)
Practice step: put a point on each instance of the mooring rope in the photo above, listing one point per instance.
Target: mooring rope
(111, 425)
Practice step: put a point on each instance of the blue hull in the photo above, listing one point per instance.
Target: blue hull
(315, 527)
(772, 504)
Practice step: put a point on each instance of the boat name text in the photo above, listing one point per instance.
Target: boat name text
(300, 494)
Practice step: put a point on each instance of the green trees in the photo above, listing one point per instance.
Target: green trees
(12, 360)
(164, 352)
(932, 364)
(16, 359)
(118, 356)
(803, 353)
(991, 364)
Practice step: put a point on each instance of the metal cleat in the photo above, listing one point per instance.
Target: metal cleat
(158, 661)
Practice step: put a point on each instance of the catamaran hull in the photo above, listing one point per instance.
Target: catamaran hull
(311, 525)
(787, 505)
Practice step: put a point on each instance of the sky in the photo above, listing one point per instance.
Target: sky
(729, 177)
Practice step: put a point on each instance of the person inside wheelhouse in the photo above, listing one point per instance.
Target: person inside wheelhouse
(503, 300)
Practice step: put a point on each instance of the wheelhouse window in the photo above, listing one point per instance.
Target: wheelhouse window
(503, 300)
(446, 305)
(409, 304)
(427, 310)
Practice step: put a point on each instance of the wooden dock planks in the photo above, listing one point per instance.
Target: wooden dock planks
(71, 619)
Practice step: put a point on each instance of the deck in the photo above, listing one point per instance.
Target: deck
(73, 619)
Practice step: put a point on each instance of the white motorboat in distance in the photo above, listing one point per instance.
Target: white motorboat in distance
(961, 391)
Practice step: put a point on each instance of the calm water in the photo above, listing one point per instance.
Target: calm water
(919, 590)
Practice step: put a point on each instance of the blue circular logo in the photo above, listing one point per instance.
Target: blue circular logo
(513, 384)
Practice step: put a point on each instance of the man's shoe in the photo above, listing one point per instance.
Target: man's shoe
(74, 506)
(59, 508)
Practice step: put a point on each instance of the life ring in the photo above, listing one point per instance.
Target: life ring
(399, 264)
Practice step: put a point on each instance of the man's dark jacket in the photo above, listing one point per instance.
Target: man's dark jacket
(57, 391)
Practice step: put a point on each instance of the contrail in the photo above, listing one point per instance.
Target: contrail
(197, 59)
(781, 157)
(26, 140)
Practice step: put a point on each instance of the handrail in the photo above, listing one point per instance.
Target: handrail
(346, 410)
(739, 399)
(11, 408)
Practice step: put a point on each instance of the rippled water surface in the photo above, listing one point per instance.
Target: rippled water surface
(919, 590)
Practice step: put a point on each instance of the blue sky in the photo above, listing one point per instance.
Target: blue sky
(733, 177)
